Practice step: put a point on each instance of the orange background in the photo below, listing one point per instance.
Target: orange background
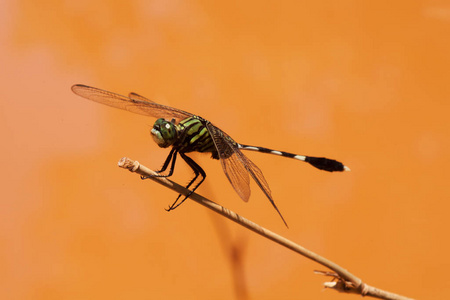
(367, 84)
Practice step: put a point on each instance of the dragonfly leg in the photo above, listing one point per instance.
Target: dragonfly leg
(171, 157)
(198, 171)
(166, 163)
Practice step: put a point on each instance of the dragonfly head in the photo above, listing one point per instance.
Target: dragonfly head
(164, 133)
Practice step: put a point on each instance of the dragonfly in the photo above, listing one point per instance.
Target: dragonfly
(186, 133)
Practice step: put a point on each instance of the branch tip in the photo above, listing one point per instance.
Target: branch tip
(126, 163)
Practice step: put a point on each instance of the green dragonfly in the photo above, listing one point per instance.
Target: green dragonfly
(186, 132)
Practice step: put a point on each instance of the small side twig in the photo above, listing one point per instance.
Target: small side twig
(343, 280)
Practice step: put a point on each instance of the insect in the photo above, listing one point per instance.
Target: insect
(186, 132)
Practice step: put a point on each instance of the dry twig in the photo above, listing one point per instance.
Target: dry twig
(343, 280)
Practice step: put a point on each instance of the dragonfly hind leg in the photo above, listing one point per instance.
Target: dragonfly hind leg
(198, 171)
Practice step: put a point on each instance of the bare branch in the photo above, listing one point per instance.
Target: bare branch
(343, 280)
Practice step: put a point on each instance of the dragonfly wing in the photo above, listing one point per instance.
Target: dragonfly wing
(135, 96)
(136, 103)
(237, 174)
(231, 162)
(237, 166)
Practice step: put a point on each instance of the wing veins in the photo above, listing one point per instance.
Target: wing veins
(237, 166)
(135, 103)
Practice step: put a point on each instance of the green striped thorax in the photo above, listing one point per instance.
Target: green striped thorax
(164, 133)
(187, 136)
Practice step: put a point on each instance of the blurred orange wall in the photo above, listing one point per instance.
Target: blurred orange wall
(362, 82)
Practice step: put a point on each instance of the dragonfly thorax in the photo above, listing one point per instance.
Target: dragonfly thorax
(164, 133)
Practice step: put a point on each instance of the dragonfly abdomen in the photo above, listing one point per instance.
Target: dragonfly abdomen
(321, 163)
(270, 151)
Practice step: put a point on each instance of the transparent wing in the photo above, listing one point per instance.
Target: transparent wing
(138, 97)
(237, 166)
(135, 103)
(232, 164)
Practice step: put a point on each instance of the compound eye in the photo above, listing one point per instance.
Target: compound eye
(164, 133)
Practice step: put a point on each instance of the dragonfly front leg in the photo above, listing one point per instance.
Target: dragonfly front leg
(171, 157)
(197, 171)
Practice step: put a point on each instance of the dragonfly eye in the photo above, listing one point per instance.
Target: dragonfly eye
(164, 133)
